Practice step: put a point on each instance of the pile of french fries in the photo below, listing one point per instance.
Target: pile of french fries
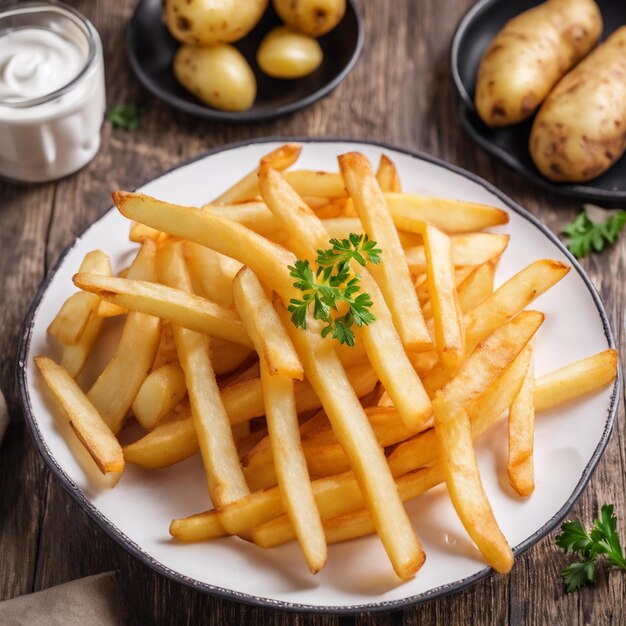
(302, 437)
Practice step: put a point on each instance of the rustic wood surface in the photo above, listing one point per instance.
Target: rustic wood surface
(400, 92)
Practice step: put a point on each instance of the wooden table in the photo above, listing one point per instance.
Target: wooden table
(400, 92)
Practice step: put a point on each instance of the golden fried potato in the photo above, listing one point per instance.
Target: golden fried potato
(284, 53)
(580, 130)
(530, 55)
(207, 22)
(311, 17)
(218, 75)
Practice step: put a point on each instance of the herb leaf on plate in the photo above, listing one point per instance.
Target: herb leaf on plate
(586, 235)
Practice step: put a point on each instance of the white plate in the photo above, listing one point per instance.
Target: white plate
(358, 576)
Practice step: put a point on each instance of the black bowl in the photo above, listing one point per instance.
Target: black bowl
(151, 49)
(510, 144)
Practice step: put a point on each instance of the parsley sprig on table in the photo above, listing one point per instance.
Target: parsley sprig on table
(586, 234)
(602, 539)
(333, 283)
(124, 116)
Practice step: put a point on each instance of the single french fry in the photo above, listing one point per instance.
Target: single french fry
(176, 306)
(447, 314)
(166, 351)
(264, 327)
(88, 425)
(115, 389)
(215, 437)
(467, 249)
(70, 322)
(520, 468)
(315, 183)
(168, 443)
(247, 188)
(575, 380)
(453, 429)
(387, 175)
(73, 358)
(197, 527)
(291, 468)
(511, 297)
(159, 393)
(392, 273)
(380, 338)
(409, 212)
(279, 366)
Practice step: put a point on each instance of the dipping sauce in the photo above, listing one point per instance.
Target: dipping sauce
(52, 97)
(35, 62)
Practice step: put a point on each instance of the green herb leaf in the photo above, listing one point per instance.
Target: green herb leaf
(124, 116)
(602, 539)
(333, 282)
(586, 235)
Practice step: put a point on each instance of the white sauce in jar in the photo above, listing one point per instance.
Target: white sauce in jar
(52, 98)
(35, 62)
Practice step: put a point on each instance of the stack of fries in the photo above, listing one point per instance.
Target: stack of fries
(301, 436)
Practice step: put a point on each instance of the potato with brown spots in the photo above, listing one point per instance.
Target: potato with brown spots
(580, 131)
(530, 55)
(218, 75)
(206, 22)
(311, 17)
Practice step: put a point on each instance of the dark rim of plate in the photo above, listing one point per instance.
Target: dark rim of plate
(467, 109)
(206, 112)
(438, 592)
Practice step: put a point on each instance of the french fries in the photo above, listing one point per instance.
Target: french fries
(392, 274)
(176, 306)
(279, 365)
(211, 360)
(89, 427)
(521, 434)
(115, 389)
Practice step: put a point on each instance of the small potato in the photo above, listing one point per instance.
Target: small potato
(530, 55)
(284, 53)
(580, 130)
(218, 75)
(311, 17)
(206, 22)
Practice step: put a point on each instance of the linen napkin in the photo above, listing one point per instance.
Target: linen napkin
(91, 601)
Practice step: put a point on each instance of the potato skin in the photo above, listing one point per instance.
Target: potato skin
(206, 22)
(580, 130)
(311, 17)
(218, 75)
(530, 55)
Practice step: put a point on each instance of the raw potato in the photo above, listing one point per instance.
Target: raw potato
(218, 75)
(530, 55)
(311, 17)
(208, 22)
(580, 131)
(284, 53)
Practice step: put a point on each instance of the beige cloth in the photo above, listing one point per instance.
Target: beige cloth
(91, 601)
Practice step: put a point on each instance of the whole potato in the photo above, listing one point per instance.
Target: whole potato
(311, 17)
(530, 55)
(218, 75)
(580, 130)
(284, 53)
(205, 22)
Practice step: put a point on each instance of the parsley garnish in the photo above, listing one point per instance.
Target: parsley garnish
(602, 539)
(124, 116)
(333, 283)
(586, 235)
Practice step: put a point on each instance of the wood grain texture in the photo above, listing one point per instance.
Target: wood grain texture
(400, 92)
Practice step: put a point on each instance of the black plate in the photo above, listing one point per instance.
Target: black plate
(476, 30)
(151, 49)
